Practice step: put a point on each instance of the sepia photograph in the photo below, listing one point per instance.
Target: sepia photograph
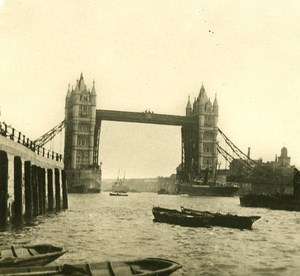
(149, 137)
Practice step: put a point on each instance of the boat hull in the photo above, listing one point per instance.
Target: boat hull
(194, 218)
(24, 256)
(228, 220)
(199, 190)
(275, 201)
(118, 194)
(143, 267)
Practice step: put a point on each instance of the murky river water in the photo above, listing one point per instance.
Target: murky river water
(98, 227)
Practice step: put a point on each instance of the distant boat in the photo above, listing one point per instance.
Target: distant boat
(118, 194)
(93, 190)
(29, 255)
(197, 189)
(195, 218)
(163, 192)
(142, 267)
(206, 186)
(118, 186)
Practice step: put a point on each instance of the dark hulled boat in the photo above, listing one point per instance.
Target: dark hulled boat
(195, 218)
(162, 192)
(118, 194)
(193, 189)
(141, 267)
(206, 185)
(271, 201)
(29, 255)
(275, 201)
(225, 220)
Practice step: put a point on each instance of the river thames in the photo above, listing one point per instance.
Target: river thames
(98, 227)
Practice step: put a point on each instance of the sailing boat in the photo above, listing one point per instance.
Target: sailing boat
(118, 187)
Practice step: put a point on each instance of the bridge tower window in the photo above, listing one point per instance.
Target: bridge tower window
(84, 110)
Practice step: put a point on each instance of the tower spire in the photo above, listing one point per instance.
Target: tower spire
(188, 105)
(202, 98)
(216, 105)
(188, 109)
(77, 87)
(93, 88)
(69, 92)
(82, 86)
(215, 101)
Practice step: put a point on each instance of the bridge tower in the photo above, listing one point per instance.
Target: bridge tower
(81, 148)
(199, 141)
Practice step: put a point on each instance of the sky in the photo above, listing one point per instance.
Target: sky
(153, 55)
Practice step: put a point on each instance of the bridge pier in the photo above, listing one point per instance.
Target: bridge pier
(41, 191)
(44, 202)
(64, 190)
(28, 191)
(3, 188)
(57, 190)
(50, 189)
(34, 183)
(25, 191)
(38, 193)
(17, 210)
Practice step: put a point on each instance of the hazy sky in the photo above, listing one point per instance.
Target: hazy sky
(153, 54)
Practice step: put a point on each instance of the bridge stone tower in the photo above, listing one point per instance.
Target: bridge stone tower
(81, 139)
(199, 142)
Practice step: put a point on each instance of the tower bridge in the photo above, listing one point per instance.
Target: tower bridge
(83, 127)
(23, 158)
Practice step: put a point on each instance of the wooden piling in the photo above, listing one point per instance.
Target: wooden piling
(40, 192)
(35, 190)
(3, 188)
(28, 191)
(17, 217)
(64, 190)
(50, 189)
(43, 191)
(57, 190)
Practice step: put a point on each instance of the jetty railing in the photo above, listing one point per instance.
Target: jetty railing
(11, 133)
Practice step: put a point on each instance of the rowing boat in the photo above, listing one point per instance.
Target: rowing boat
(29, 255)
(141, 267)
(195, 218)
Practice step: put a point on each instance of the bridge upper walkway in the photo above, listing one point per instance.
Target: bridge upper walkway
(146, 117)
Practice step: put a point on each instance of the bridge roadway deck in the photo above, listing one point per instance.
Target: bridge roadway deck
(144, 117)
